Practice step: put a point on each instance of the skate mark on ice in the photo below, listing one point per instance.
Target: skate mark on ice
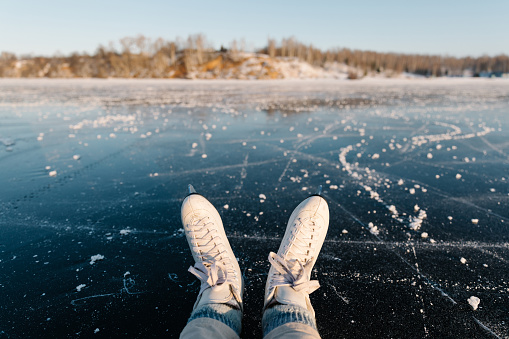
(286, 168)
(419, 295)
(82, 301)
(496, 149)
(345, 300)
(220, 168)
(127, 283)
(438, 245)
(243, 173)
(486, 328)
(494, 255)
(306, 142)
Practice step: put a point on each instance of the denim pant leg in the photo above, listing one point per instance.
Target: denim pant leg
(213, 321)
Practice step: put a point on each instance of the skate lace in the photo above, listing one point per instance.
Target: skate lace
(292, 273)
(206, 241)
(302, 246)
(210, 275)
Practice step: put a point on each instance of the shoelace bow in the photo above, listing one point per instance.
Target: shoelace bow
(211, 271)
(210, 275)
(296, 278)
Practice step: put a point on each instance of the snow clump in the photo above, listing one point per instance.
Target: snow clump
(95, 258)
(373, 229)
(416, 222)
(474, 302)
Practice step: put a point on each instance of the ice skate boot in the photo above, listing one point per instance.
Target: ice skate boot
(215, 264)
(288, 281)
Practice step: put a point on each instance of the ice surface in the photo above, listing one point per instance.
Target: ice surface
(391, 263)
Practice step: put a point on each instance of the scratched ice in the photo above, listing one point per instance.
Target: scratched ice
(415, 173)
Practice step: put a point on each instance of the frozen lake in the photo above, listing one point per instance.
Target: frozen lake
(93, 173)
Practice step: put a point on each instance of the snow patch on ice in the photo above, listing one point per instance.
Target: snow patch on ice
(105, 121)
(416, 222)
(95, 258)
(373, 229)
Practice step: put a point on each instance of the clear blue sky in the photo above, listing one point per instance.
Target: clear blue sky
(456, 28)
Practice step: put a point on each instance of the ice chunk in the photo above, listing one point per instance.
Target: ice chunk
(430, 156)
(79, 287)
(373, 229)
(375, 156)
(262, 196)
(76, 157)
(226, 206)
(416, 222)
(95, 258)
(125, 232)
(463, 260)
(424, 234)
(458, 176)
(53, 173)
(474, 302)
(393, 210)
(475, 221)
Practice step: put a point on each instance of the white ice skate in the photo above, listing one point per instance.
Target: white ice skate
(288, 282)
(215, 264)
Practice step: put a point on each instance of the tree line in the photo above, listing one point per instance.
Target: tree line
(141, 57)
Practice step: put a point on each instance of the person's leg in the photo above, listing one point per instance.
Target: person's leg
(217, 312)
(287, 309)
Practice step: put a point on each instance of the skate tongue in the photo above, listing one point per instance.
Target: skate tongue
(218, 294)
(287, 295)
